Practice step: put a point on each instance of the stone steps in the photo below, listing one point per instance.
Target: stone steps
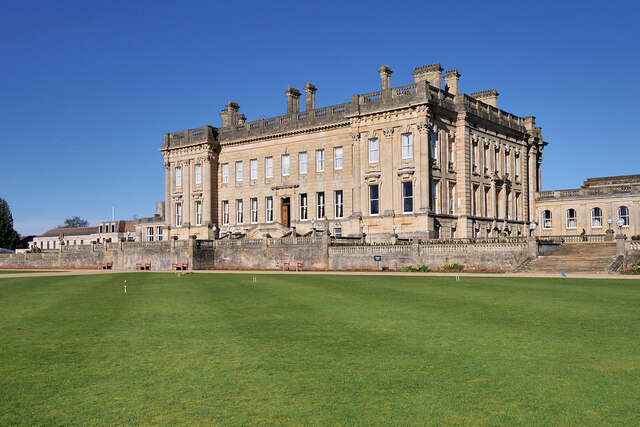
(587, 257)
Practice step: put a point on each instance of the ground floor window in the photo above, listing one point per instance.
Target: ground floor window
(546, 220)
(572, 219)
(374, 200)
(339, 204)
(239, 211)
(623, 213)
(254, 210)
(225, 212)
(149, 234)
(198, 213)
(596, 218)
(407, 197)
(158, 233)
(269, 208)
(304, 207)
(178, 214)
(320, 205)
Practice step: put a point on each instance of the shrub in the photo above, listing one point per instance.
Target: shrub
(452, 266)
(417, 268)
(635, 269)
(637, 237)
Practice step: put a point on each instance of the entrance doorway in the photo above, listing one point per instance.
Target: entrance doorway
(286, 211)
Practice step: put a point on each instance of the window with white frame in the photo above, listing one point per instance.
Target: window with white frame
(225, 173)
(596, 218)
(516, 159)
(198, 212)
(268, 167)
(474, 155)
(407, 197)
(320, 160)
(452, 199)
(320, 205)
(285, 165)
(339, 204)
(623, 213)
(304, 207)
(197, 172)
(302, 163)
(149, 234)
(547, 223)
(337, 158)
(158, 233)
(374, 152)
(572, 219)
(254, 210)
(239, 171)
(433, 139)
(507, 155)
(485, 158)
(179, 177)
(337, 232)
(407, 145)
(239, 211)
(178, 214)
(452, 150)
(253, 166)
(374, 200)
(434, 196)
(225, 212)
(496, 160)
(269, 209)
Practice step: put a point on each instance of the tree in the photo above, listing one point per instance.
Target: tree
(74, 222)
(9, 237)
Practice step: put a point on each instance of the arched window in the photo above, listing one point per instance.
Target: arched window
(596, 218)
(572, 219)
(546, 220)
(623, 213)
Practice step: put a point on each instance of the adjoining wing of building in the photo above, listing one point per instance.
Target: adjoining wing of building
(417, 161)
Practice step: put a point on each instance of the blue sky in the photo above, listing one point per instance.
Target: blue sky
(89, 88)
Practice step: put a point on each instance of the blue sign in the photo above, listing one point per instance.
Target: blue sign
(377, 258)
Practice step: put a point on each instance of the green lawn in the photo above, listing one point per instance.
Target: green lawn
(318, 350)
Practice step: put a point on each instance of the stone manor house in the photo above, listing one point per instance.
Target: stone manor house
(422, 161)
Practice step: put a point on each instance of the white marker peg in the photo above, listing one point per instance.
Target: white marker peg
(125, 286)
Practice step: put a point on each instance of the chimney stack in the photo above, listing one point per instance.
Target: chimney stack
(489, 97)
(310, 96)
(451, 81)
(229, 116)
(429, 73)
(385, 77)
(293, 100)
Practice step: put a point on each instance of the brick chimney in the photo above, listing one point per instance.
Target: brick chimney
(451, 81)
(430, 73)
(385, 77)
(229, 116)
(489, 97)
(293, 100)
(310, 96)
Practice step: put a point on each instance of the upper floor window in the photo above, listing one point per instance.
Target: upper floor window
(268, 167)
(178, 177)
(506, 162)
(178, 214)
(407, 197)
(623, 213)
(474, 155)
(485, 158)
(149, 234)
(239, 171)
(285, 165)
(197, 171)
(452, 199)
(253, 166)
(225, 173)
(158, 233)
(452, 150)
(547, 223)
(434, 196)
(516, 159)
(374, 200)
(407, 145)
(198, 212)
(433, 138)
(319, 160)
(302, 163)
(572, 219)
(496, 160)
(337, 158)
(374, 151)
(596, 218)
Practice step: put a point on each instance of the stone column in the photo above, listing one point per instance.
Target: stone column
(357, 180)
(424, 166)
(463, 175)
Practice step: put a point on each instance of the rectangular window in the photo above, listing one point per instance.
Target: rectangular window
(239, 211)
(337, 232)
(497, 211)
(269, 209)
(178, 214)
(304, 205)
(374, 200)
(254, 210)
(197, 170)
(374, 155)
(320, 205)
(337, 197)
(319, 160)
(517, 212)
(149, 234)
(434, 196)
(239, 171)
(451, 152)
(496, 161)
(506, 162)
(225, 212)
(285, 165)
(268, 167)
(198, 213)
(253, 165)
(337, 158)
(507, 202)
(302, 162)
(178, 177)
(407, 197)
(407, 145)
(475, 200)
(517, 165)
(434, 145)
(452, 199)
(113, 228)
(225, 173)
(486, 202)
(485, 158)
(474, 155)
(158, 233)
